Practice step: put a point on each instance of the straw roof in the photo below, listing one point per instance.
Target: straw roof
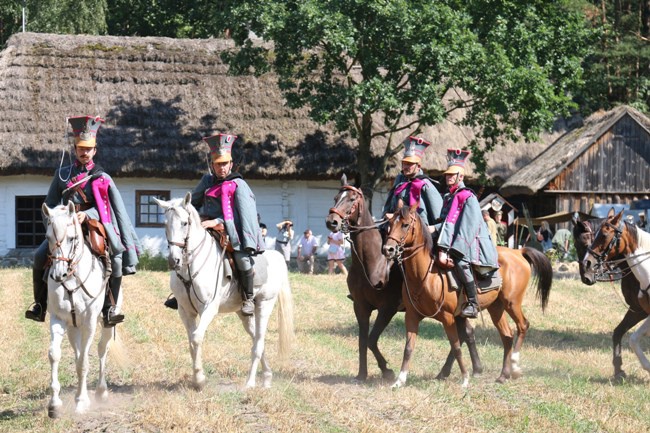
(159, 96)
(551, 162)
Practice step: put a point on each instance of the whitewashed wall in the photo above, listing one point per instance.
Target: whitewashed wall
(306, 203)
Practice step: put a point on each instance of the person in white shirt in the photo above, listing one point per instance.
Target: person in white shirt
(307, 247)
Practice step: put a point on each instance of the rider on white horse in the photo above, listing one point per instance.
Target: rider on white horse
(225, 197)
(95, 197)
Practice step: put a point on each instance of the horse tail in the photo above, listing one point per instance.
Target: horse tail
(544, 273)
(285, 320)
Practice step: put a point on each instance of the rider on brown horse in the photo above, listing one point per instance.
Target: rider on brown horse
(463, 233)
(412, 185)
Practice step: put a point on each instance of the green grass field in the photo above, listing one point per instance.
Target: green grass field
(566, 360)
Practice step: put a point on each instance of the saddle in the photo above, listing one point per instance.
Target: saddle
(96, 235)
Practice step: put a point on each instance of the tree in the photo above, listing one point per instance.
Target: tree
(67, 16)
(382, 68)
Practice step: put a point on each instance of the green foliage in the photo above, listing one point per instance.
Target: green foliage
(149, 262)
(386, 69)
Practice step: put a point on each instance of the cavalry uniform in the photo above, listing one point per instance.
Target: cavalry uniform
(416, 187)
(93, 192)
(463, 234)
(230, 200)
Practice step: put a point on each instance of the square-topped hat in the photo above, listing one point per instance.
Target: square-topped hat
(85, 130)
(220, 147)
(456, 159)
(414, 148)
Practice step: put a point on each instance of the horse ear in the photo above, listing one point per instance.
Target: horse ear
(575, 219)
(187, 199)
(71, 210)
(344, 180)
(618, 217)
(162, 203)
(611, 213)
(45, 210)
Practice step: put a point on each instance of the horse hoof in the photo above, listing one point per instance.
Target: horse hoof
(360, 378)
(397, 385)
(54, 412)
(442, 377)
(619, 377)
(516, 374)
(501, 379)
(198, 386)
(388, 375)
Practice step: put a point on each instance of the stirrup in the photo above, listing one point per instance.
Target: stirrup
(469, 311)
(111, 319)
(248, 307)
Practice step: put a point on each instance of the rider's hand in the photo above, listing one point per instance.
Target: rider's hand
(444, 261)
(208, 224)
(81, 216)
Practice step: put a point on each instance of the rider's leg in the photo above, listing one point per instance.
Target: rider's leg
(111, 315)
(246, 273)
(38, 309)
(470, 310)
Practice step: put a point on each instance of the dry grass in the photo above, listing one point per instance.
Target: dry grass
(566, 360)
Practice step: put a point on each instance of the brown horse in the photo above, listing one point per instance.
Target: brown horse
(427, 293)
(617, 242)
(583, 237)
(372, 283)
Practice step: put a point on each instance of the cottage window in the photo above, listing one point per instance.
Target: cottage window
(147, 212)
(30, 231)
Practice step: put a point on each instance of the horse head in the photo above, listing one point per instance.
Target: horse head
(403, 229)
(180, 218)
(64, 238)
(348, 207)
(583, 236)
(607, 242)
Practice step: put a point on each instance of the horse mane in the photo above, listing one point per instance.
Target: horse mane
(642, 237)
(424, 229)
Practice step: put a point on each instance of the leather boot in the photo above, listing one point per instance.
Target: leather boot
(470, 310)
(110, 317)
(248, 306)
(171, 302)
(39, 308)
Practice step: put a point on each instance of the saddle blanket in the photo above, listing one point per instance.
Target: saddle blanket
(260, 266)
(484, 283)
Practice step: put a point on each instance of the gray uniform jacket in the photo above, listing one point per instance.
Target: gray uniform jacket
(102, 202)
(463, 231)
(403, 189)
(238, 210)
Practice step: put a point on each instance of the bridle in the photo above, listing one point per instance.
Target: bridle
(73, 259)
(187, 255)
(357, 206)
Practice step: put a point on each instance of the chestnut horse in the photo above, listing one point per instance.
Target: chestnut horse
(617, 242)
(583, 236)
(427, 293)
(372, 283)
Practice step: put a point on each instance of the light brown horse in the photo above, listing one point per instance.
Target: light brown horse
(374, 284)
(615, 243)
(427, 294)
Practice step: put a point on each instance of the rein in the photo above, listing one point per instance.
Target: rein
(73, 260)
(187, 253)
(400, 249)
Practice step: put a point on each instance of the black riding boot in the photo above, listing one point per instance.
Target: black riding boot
(470, 310)
(110, 318)
(171, 302)
(248, 306)
(38, 310)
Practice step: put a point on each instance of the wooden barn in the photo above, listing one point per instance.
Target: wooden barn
(159, 96)
(605, 160)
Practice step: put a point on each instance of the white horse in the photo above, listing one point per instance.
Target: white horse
(75, 287)
(203, 289)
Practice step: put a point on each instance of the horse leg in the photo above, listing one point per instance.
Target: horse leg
(57, 331)
(497, 313)
(466, 334)
(630, 319)
(258, 335)
(191, 324)
(362, 311)
(384, 316)
(83, 338)
(101, 392)
(516, 313)
(635, 340)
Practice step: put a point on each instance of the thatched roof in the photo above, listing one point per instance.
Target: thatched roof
(551, 162)
(159, 96)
